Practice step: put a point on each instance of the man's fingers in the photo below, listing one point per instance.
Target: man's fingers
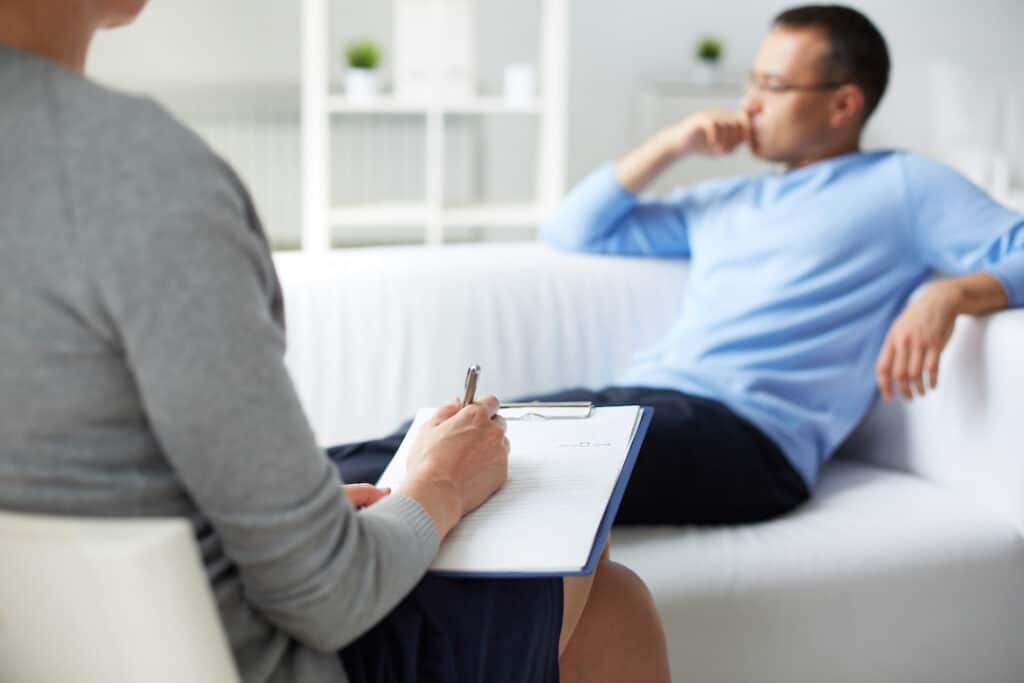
(883, 370)
(916, 357)
(899, 369)
(931, 366)
(711, 135)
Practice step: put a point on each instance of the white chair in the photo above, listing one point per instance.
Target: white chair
(106, 601)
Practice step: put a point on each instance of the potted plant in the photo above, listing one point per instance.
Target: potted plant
(709, 55)
(361, 81)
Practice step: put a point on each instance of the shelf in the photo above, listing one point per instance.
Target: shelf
(380, 215)
(493, 215)
(415, 214)
(388, 104)
(323, 100)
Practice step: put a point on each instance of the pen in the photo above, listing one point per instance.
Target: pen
(472, 373)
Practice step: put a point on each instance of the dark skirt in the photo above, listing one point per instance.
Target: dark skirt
(464, 630)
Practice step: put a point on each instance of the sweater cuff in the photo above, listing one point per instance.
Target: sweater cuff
(587, 212)
(409, 513)
(1010, 272)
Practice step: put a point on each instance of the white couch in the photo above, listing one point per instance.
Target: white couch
(908, 565)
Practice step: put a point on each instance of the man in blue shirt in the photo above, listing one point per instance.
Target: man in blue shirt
(796, 310)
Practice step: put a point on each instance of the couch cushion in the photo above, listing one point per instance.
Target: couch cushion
(881, 572)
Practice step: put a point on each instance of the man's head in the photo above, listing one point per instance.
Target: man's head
(817, 77)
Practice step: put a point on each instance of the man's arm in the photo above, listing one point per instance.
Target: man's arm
(602, 213)
(959, 230)
(917, 338)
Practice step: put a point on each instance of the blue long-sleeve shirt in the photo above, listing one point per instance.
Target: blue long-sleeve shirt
(795, 279)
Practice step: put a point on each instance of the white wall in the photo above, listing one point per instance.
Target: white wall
(613, 43)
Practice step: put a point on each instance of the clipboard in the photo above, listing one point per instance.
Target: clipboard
(604, 527)
(547, 410)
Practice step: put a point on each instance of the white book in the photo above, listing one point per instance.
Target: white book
(551, 518)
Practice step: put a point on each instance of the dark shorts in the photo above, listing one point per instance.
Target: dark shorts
(464, 631)
(701, 463)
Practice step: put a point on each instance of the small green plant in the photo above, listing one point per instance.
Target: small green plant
(362, 54)
(709, 49)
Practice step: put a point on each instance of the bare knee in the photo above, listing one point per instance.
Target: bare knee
(619, 634)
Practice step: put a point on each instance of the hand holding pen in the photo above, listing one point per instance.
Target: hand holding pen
(459, 457)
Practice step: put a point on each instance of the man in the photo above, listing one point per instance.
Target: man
(796, 305)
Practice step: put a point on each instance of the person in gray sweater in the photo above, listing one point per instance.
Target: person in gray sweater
(142, 374)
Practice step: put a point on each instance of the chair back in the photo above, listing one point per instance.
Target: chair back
(106, 601)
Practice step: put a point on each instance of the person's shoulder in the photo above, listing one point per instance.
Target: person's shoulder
(915, 164)
(924, 175)
(127, 155)
(115, 128)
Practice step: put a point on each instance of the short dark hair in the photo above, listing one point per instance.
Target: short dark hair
(857, 50)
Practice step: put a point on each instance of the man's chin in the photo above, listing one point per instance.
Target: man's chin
(764, 154)
(758, 151)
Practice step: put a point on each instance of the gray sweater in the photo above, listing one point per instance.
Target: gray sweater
(142, 374)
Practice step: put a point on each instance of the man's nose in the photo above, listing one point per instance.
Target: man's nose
(751, 102)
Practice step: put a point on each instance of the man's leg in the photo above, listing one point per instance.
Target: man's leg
(365, 461)
(700, 463)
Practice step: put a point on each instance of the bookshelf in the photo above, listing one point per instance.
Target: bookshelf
(320, 104)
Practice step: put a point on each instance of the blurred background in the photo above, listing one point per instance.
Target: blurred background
(479, 113)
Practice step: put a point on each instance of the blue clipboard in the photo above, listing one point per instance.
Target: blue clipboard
(603, 529)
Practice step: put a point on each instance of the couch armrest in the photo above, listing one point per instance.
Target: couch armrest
(968, 435)
(375, 334)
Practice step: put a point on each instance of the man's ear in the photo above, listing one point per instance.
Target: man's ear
(847, 105)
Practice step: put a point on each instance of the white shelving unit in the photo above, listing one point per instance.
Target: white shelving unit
(320, 104)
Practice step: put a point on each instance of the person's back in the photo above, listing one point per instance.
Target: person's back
(75, 436)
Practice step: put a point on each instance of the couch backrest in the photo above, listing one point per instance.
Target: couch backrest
(375, 334)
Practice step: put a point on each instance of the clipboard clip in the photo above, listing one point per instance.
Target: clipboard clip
(547, 410)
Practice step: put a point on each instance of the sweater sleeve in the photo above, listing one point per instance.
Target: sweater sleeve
(600, 215)
(191, 293)
(959, 229)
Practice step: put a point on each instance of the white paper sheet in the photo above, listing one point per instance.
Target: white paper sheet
(546, 516)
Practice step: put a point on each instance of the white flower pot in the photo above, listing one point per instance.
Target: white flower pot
(361, 85)
(707, 72)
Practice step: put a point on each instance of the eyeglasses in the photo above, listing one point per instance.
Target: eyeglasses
(770, 85)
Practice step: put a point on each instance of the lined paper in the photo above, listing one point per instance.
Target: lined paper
(546, 516)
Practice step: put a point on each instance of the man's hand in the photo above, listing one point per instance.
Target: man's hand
(364, 495)
(714, 131)
(918, 337)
